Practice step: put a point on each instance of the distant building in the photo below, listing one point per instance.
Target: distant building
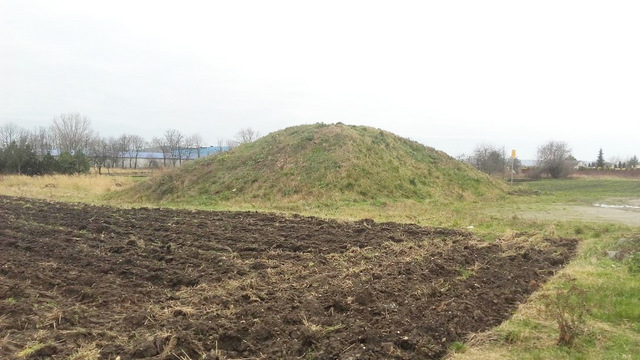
(581, 165)
(155, 159)
(528, 163)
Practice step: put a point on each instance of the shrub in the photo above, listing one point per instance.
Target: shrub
(568, 308)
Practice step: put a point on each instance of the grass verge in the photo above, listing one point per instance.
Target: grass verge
(611, 313)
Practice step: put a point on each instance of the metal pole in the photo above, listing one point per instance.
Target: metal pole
(512, 159)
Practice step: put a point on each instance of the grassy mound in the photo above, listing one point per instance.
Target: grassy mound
(321, 163)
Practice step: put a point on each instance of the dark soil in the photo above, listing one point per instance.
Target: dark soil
(176, 284)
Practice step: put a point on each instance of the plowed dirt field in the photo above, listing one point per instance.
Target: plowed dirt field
(80, 280)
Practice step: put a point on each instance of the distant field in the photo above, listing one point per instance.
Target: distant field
(635, 173)
(602, 200)
(583, 189)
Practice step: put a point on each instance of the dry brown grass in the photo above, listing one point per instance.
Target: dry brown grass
(73, 188)
(129, 172)
(87, 351)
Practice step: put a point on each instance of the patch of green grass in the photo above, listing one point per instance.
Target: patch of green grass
(634, 263)
(612, 303)
(465, 273)
(611, 311)
(584, 190)
(597, 344)
(457, 347)
(520, 331)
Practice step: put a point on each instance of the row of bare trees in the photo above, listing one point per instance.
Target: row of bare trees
(177, 147)
(29, 152)
(72, 133)
(491, 160)
(114, 151)
(554, 159)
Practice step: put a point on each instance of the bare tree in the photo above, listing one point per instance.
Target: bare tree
(555, 160)
(137, 145)
(160, 144)
(41, 141)
(247, 135)
(15, 143)
(9, 133)
(195, 141)
(231, 143)
(100, 153)
(18, 152)
(170, 145)
(186, 149)
(489, 159)
(219, 144)
(124, 148)
(113, 150)
(72, 132)
(174, 140)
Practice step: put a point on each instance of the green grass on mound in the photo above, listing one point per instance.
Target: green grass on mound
(322, 164)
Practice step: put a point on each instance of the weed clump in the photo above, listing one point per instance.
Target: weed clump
(627, 250)
(568, 307)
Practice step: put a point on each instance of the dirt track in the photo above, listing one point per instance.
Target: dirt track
(167, 284)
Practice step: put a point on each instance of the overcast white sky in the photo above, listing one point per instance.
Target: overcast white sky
(450, 74)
